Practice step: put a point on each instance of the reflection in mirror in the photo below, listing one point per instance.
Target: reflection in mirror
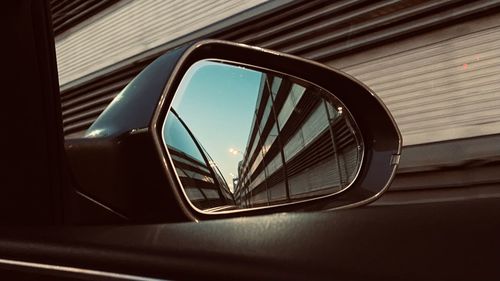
(240, 138)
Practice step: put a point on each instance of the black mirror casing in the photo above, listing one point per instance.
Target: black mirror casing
(140, 109)
(116, 172)
(380, 134)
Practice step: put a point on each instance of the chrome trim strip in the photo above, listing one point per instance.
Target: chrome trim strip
(75, 271)
(101, 205)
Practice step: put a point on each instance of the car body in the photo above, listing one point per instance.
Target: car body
(46, 237)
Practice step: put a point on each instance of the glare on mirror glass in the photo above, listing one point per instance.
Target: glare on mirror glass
(241, 138)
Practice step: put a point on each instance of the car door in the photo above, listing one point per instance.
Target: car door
(432, 241)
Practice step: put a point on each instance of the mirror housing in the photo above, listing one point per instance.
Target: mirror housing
(294, 140)
(138, 112)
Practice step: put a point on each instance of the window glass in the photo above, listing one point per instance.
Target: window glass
(290, 104)
(276, 85)
(274, 165)
(211, 193)
(194, 193)
(316, 123)
(265, 116)
(190, 163)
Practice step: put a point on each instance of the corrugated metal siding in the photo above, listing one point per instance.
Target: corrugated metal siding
(321, 30)
(134, 28)
(69, 13)
(326, 31)
(444, 90)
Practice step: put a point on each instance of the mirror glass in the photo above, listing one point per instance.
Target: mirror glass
(240, 137)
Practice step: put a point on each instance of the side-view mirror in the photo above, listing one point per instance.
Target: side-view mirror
(219, 129)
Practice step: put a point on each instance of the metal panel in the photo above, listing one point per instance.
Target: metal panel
(84, 98)
(321, 30)
(339, 32)
(134, 28)
(442, 90)
(67, 14)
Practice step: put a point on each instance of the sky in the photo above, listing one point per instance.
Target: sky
(217, 102)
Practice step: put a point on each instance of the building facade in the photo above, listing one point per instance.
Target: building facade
(434, 63)
(302, 144)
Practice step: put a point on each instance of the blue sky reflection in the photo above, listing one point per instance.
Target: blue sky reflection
(217, 102)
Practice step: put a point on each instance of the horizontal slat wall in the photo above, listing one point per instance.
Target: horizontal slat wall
(69, 13)
(128, 29)
(136, 27)
(445, 90)
(323, 30)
